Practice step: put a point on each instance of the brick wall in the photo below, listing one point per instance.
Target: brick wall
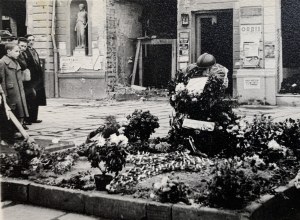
(111, 35)
(128, 28)
(123, 27)
(39, 24)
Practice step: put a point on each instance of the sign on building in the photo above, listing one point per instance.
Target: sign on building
(251, 83)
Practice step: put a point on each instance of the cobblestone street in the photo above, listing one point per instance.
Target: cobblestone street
(73, 119)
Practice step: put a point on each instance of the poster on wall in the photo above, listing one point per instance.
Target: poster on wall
(269, 49)
(183, 49)
(251, 36)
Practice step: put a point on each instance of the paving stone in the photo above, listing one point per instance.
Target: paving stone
(184, 212)
(57, 198)
(115, 207)
(25, 212)
(15, 190)
(87, 115)
(159, 211)
(72, 216)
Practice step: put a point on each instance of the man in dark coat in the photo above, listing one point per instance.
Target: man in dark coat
(29, 91)
(36, 84)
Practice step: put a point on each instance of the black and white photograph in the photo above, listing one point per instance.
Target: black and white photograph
(150, 109)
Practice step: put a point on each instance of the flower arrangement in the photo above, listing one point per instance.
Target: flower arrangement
(270, 140)
(141, 124)
(108, 154)
(20, 163)
(233, 187)
(81, 180)
(171, 190)
(208, 106)
(148, 164)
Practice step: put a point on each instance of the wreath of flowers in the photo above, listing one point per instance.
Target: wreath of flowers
(209, 106)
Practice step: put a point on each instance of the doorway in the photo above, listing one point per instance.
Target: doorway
(159, 22)
(14, 17)
(157, 65)
(214, 35)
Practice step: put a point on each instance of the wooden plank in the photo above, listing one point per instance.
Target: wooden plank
(135, 61)
(141, 66)
(174, 50)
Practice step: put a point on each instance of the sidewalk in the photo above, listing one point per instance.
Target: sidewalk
(73, 119)
(15, 211)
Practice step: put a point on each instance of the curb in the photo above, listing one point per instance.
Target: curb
(101, 204)
(110, 206)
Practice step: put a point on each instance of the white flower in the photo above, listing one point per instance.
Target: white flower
(123, 140)
(100, 140)
(235, 128)
(297, 180)
(121, 130)
(180, 87)
(243, 125)
(173, 97)
(258, 161)
(118, 140)
(273, 145)
(274, 166)
(114, 138)
(35, 161)
(194, 99)
(294, 85)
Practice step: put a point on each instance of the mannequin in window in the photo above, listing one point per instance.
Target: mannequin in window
(81, 25)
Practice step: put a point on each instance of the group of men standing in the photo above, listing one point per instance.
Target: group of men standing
(22, 84)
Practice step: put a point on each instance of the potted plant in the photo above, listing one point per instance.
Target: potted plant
(141, 124)
(109, 155)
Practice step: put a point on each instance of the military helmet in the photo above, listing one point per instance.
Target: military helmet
(206, 60)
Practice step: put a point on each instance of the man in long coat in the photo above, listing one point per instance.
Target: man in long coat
(36, 84)
(11, 82)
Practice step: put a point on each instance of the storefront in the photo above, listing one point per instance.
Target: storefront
(246, 37)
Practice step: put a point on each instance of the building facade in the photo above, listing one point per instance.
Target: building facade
(254, 39)
(74, 72)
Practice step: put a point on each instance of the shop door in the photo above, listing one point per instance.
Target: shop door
(214, 35)
(157, 66)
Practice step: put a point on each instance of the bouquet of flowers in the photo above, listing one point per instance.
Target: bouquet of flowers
(140, 126)
(109, 154)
